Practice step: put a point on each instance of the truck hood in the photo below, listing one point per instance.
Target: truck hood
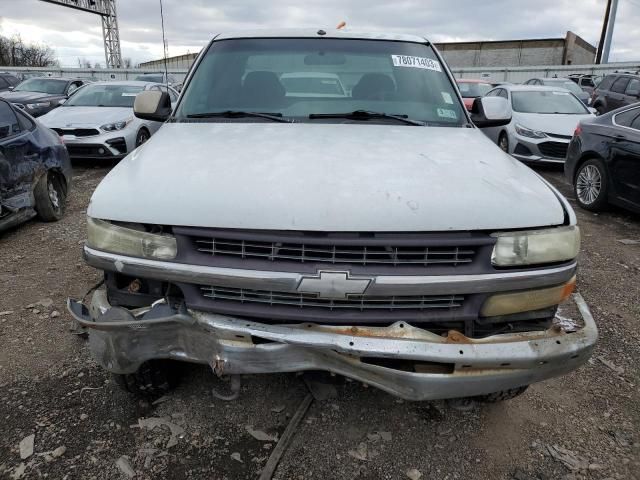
(555, 124)
(78, 116)
(324, 177)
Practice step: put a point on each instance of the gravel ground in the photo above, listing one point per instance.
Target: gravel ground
(84, 426)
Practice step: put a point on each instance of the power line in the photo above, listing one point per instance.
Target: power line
(164, 47)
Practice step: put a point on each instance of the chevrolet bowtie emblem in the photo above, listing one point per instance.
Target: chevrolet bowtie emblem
(335, 285)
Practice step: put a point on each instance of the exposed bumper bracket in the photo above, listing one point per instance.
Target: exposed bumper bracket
(121, 340)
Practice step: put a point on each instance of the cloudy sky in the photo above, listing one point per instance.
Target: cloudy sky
(191, 23)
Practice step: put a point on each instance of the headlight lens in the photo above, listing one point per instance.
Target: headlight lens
(527, 132)
(33, 106)
(112, 127)
(527, 301)
(536, 246)
(106, 236)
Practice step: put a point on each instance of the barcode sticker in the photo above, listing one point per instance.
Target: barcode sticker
(416, 62)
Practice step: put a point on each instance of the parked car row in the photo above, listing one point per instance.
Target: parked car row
(76, 119)
(549, 124)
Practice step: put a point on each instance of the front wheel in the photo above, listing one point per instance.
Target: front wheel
(50, 195)
(502, 395)
(590, 185)
(153, 379)
(142, 137)
(503, 142)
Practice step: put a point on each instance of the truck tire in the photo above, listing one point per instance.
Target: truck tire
(502, 395)
(50, 194)
(153, 379)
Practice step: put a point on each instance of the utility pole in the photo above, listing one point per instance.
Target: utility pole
(107, 11)
(607, 32)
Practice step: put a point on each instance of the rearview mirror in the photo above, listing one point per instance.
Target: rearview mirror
(490, 112)
(152, 105)
(323, 58)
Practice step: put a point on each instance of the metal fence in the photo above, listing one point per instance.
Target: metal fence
(493, 74)
(522, 74)
(94, 73)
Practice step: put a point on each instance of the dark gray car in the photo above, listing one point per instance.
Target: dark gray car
(616, 91)
(40, 95)
(8, 81)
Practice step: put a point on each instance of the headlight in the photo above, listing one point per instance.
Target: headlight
(112, 127)
(33, 106)
(106, 236)
(536, 246)
(527, 132)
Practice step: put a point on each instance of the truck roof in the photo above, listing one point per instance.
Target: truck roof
(313, 33)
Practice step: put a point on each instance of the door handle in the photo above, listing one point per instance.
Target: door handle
(619, 138)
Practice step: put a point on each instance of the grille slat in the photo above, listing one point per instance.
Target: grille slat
(337, 254)
(354, 302)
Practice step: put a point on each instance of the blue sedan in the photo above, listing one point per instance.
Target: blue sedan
(35, 170)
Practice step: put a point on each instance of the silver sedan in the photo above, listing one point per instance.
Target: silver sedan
(98, 121)
(542, 123)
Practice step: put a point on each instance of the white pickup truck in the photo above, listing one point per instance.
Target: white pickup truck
(378, 235)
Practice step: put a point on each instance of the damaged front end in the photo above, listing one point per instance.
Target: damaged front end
(409, 362)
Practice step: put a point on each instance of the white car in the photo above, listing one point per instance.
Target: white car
(380, 235)
(312, 84)
(98, 120)
(542, 123)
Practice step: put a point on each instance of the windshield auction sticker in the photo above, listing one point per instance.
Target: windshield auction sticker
(416, 62)
(446, 113)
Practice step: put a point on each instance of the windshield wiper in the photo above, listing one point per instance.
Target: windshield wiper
(276, 117)
(367, 115)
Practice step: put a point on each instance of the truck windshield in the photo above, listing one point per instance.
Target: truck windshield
(299, 77)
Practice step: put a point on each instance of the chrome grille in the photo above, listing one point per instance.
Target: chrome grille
(354, 302)
(78, 132)
(336, 253)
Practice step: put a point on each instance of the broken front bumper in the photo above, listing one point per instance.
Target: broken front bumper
(441, 367)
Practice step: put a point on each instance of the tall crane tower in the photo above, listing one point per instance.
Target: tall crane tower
(107, 11)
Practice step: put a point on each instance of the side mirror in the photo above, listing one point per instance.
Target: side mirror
(61, 101)
(634, 93)
(11, 87)
(593, 110)
(490, 112)
(152, 105)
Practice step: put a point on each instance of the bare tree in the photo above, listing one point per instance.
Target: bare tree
(84, 63)
(126, 62)
(15, 53)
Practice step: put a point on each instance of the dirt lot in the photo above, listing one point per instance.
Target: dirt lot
(83, 423)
